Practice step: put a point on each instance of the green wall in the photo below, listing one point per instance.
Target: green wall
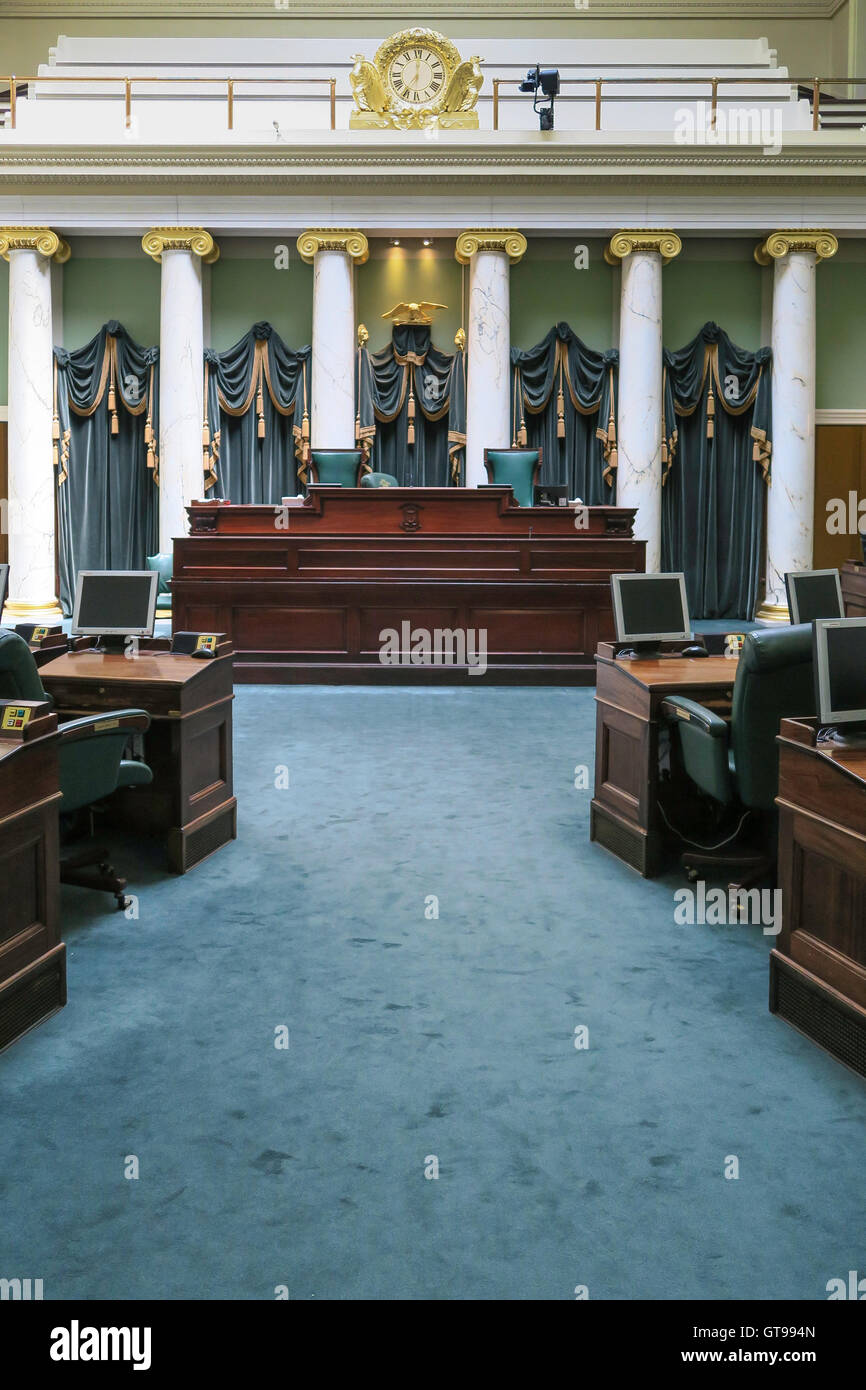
(841, 298)
(723, 291)
(402, 274)
(246, 288)
(546, 288)
(98, 286)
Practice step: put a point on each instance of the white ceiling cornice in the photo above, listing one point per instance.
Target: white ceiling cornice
(395, 11)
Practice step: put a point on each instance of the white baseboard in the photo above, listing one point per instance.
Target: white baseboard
(840, 417)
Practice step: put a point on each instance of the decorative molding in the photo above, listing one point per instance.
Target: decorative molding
(395, 10)
(622, 244)
(840, 417)
(512, 243)
(194, 239)
(779, 244)
(354, 243)
(40, 239)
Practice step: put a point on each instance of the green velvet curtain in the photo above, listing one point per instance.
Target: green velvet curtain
(106, 401)
(716, 466)
(257, 427)
(411, 404)
(563, 398)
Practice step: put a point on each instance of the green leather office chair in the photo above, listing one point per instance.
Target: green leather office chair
(92, 768)
(519, 467)
(341, 466)
(19, 677)
(736, 765)
(379, 480)
(163, 563)
(92, 765)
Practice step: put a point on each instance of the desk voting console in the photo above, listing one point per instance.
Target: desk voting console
(625, 816)
(818, 966)
(32, 956)
(188, 746)
(305, 590)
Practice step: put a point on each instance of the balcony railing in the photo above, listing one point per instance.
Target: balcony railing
(230, 90)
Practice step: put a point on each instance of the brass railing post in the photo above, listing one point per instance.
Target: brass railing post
(230, 94)
(598, 103)
(496, 103)
(127, 84)
(816, 103)
(12, 99)
(715, 102)
(333, 103)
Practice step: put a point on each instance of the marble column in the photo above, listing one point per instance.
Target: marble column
(640, 422)
(791, 494)
(180, 251)
(489, 253)
(333, 254)
(32, 541)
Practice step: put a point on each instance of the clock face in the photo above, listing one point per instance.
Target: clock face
(417, 75)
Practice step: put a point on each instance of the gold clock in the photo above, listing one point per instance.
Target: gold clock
(416, 79)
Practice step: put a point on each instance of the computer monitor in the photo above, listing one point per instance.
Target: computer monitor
(115, 603)
(840, 670)
(814, 594)
(650, 608)
(4, 586)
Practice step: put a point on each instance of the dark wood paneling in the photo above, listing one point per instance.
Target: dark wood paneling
(840, 468)
(309, 600)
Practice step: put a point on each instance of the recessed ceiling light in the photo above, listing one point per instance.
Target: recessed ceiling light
(395, 241)
(428, 241)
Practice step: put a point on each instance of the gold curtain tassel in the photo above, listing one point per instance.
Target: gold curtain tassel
(55, 426)
(205, 435)
(410, 432)
(560, 414)
(611, 429)
(260, 410)
(521, 434)
(411, 406)
(151, 461)
(55, 453)
(305, 426)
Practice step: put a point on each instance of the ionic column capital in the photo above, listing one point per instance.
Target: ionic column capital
(779, 244)
(622, 244)
(41, 239)
(351, 242)
(194, 239)
(506, 239)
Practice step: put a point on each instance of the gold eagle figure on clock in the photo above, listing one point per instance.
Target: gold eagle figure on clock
(416, 80)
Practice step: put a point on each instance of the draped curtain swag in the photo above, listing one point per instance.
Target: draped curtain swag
(256, 428)
(105, 430)
(419, 395)
(563, 398)
(716, 451)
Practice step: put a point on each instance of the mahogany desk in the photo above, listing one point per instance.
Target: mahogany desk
(854, 589)
(32, 956)
(818, 966)
(624, 815)
(304, 591)
(188, 746)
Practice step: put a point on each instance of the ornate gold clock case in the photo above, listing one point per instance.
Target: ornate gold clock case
(416, 80)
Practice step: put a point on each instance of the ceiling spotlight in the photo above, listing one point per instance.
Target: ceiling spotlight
(395, 241)
(543, 83)
(428, 241)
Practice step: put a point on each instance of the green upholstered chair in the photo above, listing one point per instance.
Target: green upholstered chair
(379, 480)
(519, 467)
(163, 564)
(340, 466)
(19, 678)
(737, 764)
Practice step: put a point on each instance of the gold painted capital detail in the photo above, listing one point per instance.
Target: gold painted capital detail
(622, 244)
(779, 244)
(504, 239)
(40, 239)
(194, 239)
(353, 243)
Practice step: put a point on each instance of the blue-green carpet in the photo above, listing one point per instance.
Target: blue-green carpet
(414, 1037)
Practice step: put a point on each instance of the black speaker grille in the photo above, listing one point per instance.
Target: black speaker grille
(27, 1004)
(624, 843)
(821, 1018)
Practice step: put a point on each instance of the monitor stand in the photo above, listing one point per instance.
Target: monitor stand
(113, 645)
(849, 736)
(641, 651)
